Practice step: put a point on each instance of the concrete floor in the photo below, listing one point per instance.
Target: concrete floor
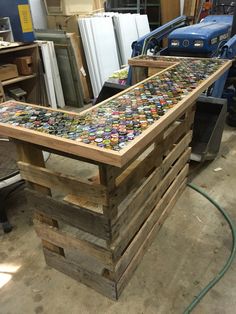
(191, 247)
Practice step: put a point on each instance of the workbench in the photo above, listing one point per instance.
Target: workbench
(138, 140)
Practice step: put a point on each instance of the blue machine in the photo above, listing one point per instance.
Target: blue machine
(210, 38)
(201, 39)
(20, 17)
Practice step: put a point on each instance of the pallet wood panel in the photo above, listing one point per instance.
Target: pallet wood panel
(67, 184)
(176, 152)
(135, 175)
(120, 244)
(65, 240)
(144, 190)
(148, 240)
(101, 283)
(75, 216)
(89, 278)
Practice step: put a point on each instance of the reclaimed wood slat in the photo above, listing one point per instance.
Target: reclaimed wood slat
(63, 183)
(136, 173)
(176, 151)
(66, 240)
(98, 282)
(146, 237)
(127, 233)
(75, 216)
(29, 154)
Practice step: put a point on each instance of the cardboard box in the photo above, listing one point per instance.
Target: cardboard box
(64, 23)
(24, 65)
(8, 71)
(67, 7)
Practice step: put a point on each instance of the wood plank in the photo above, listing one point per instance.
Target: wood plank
(152, 71)
(95, 281)
(170, 9)
(75, 216)
(82, 202)
(30, 154)
(133, 205)
(140, 68)
(133, 177)
(66, 240)
(176, 151)
(77, 47)
(131, 228)
(138, 74)
(189, 7)
(151, 63)
(19, 48)
(147, 136)
(172, 135)
(147, 234)
(107, 176)
(64, 183)
(18, 79)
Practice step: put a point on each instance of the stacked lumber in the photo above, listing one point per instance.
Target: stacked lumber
(191, 8)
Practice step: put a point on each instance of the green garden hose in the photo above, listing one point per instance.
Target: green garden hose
(230, 259)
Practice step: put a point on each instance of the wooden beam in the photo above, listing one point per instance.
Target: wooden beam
(67, 241)
(29, 154)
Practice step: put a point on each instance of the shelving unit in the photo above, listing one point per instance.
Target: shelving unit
(18, 79)
(5, 29)
(150, 7)
(27, 82)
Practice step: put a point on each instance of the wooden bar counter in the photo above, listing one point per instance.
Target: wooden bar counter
(138, 140)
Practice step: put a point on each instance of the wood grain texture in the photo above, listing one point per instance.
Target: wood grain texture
(66, 240)
(190, 7)
(164, 65)
(135, 174)
(146, 235)
(63, 183)
(82, 202)
(133, 225)
(93, 280)
(77, 47)
(75, 216)
(29, 154)
(150, 192)
(170, 9)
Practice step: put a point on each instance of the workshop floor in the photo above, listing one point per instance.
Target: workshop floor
(189, 250)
